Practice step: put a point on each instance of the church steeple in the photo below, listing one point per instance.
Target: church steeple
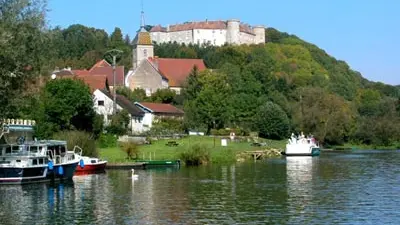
(142, 44)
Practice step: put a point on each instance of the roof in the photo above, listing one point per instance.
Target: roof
(142, 38)
(64, 72)
(81, 72)
(160, 108)
(216, 25)
(176, 70)
(101, 63)
(94, 81)
(125, 103)
(108, 71)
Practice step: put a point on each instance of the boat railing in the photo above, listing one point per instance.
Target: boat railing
(77, 150)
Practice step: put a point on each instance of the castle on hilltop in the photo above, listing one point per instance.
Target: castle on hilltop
(212, 32)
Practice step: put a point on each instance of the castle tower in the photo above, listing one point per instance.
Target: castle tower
(142, 45)
(260, 34)
(233, 31)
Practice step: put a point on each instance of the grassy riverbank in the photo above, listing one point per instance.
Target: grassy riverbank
(159, 150)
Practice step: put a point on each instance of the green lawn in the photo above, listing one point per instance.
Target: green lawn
(158, 150)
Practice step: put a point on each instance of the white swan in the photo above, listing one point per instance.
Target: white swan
(134, 176)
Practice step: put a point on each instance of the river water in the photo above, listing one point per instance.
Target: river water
(335, 188)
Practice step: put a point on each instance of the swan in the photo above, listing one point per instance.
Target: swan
(134, 176)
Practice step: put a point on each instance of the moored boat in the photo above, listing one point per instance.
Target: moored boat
(302, 146)
(91, 164)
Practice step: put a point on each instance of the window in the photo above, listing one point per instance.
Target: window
(41, 161)
(198, 41)
(34, 162)
(100, 103)
(213, 31)
(145, 53)
(215, 41)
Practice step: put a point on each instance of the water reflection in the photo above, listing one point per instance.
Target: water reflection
(299, 175)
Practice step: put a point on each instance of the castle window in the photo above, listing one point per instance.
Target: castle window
(145, 53)
(198, 31)
(215, 41)
(213, 31)
(100, 103)
(198, 41)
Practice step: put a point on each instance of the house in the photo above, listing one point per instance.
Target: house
(155, 111)
(152, 73)
(103, 105)
(96, 81)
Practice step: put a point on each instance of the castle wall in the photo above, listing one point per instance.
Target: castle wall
(246, 38)
(260, 34)
(185, 36)
(213, 36)
(160, 37)
(233, 32)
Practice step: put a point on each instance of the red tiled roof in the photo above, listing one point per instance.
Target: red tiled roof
(162, 108)
(101, 63)
(119, 74)
(94, 81)
(217, 25)
(176, 70)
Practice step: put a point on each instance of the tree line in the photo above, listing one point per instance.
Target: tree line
(285, 85)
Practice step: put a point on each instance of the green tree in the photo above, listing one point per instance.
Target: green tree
(21, 37)
(65, 104)
(166, 96)
(272, 122)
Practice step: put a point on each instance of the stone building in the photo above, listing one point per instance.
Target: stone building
(213, 32)
(152, 73)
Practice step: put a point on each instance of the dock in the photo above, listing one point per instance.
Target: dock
(257, 155)
(144, 164)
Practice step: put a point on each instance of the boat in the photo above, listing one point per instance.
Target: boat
(302, 146)
(26, 160)
(160, 163)
(22, 163)
(62, 162)
(91, 164)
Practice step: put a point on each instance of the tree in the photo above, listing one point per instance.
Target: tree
(165, 96)
(116, 39)
(65, 104)
(272, 122)
(21, 24)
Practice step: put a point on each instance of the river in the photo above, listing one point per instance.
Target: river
(361, 187)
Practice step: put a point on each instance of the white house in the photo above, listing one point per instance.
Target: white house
(103, 105)
(155, 111)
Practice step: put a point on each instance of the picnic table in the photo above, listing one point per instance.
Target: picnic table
(171, 143)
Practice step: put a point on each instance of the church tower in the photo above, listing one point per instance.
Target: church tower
(142, 45)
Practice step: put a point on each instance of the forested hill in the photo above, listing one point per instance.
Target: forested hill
(286, 85)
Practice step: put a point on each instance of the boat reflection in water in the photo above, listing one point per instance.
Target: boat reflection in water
(299, 173)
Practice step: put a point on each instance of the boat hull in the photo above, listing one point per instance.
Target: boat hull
(15, 175)
(314, 152)
(68, 171)
(91, 167)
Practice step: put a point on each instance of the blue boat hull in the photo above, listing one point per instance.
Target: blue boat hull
(66, 172)
(22, 175)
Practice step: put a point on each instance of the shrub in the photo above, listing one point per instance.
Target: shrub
(196, 155)
(107, 141)
(131, 149)
(80, 138)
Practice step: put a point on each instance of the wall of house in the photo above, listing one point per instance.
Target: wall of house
(176, 89)
(136, 125)
(146, 77)
(107, 109)
(148, 120)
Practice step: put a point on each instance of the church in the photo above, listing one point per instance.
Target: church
(151, 73)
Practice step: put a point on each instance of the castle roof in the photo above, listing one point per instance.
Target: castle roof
(215, 25)
(176, 70)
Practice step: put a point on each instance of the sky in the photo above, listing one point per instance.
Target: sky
(364, 33)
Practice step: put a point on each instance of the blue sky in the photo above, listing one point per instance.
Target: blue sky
(364, 33)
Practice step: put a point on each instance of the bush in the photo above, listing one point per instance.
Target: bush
(196, 155)
(131, 149)
(80, 138)
(107, 141)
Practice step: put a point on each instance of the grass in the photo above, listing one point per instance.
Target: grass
(158, 150)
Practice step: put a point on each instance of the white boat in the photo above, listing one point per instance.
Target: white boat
(302, 146)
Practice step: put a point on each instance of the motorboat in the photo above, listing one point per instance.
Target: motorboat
(302, 146)
(90, 164)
